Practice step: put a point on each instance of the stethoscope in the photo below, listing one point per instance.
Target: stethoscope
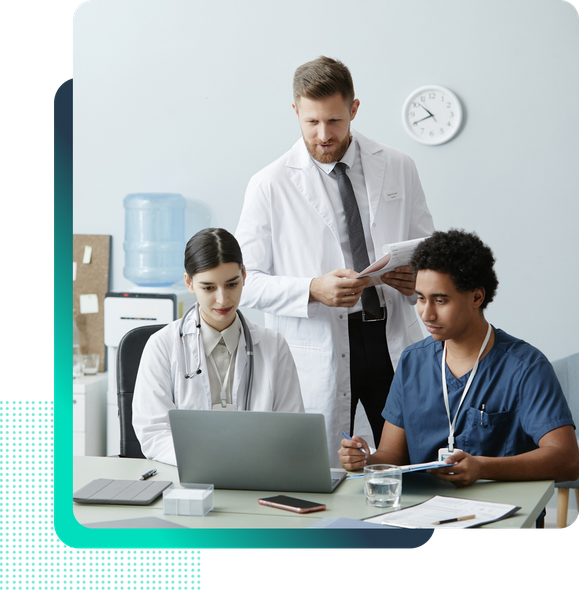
(248, 350)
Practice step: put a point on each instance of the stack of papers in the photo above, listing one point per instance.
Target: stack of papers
(429, 514)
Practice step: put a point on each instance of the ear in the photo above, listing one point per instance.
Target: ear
(354, 109)
(478, 297)
(295, 108)
(243, 274)
(189, 283)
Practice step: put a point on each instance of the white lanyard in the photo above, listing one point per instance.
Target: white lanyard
(452, 424)
(222, 384)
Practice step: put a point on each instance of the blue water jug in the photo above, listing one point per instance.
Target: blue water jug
(154, 238)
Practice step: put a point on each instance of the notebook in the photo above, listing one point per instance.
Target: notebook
(269, 451)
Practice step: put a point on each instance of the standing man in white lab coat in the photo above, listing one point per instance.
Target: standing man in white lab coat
(306, 230)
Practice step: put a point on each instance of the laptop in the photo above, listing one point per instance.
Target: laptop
(266, 451)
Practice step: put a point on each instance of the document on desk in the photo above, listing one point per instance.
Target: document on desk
(395, 255)
(444, 508)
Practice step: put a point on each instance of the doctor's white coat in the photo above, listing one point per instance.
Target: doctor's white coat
(161, 385)
(288, 236)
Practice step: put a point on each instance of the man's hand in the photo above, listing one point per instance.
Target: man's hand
(401, 279)
(556, 458)
(354, 453)
(464, 473)
(338, 288)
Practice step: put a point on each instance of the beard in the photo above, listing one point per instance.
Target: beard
(334, 155)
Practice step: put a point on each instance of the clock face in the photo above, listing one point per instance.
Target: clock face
(432, 115)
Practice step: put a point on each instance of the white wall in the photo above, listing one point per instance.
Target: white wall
(194, 97)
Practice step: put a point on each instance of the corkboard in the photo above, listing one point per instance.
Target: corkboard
(91, 279)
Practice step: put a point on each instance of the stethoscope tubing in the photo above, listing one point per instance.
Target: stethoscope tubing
(248, 350)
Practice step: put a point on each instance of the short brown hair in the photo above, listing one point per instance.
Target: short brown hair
(321, 78)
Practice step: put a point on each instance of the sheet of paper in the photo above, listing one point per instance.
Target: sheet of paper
(424, 515)
(87, 255)
(395, 255)
(89, 303)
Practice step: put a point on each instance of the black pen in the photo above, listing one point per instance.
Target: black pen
(455, 519)
(149, 474)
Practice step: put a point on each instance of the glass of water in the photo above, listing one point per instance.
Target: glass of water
(383, 486)
(90, 364)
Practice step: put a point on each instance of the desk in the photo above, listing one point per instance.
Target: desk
(239, 508)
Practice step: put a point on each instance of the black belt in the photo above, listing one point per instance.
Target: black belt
(364, 316)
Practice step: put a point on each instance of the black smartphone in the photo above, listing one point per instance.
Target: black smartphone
(293, 504)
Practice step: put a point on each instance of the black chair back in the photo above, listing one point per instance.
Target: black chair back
(128, 358)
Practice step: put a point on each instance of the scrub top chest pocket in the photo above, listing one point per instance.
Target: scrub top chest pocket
(487, 433)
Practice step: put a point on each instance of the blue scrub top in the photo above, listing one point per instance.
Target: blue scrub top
(515, 381)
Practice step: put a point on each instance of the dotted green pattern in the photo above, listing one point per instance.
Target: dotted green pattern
(32, 557)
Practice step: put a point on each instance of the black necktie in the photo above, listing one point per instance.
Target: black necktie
(370, 299)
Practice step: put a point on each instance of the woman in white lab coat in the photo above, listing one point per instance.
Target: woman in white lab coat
(200, 362)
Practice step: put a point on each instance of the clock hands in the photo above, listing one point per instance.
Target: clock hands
(416, 122)
(427, 112)
(429, 115)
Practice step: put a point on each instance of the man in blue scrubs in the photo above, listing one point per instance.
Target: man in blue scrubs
(498, 411)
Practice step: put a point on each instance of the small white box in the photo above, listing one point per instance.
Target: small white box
(196, 500)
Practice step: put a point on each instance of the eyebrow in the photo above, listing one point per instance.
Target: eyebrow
(432, 294)
(227, 281)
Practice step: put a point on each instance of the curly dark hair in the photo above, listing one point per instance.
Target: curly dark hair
(463, 256)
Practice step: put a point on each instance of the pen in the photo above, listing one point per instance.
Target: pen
(350, 438)
(149, 474)
(482, 409)
(470, 517)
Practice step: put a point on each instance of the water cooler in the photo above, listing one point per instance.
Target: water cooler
(154, 247)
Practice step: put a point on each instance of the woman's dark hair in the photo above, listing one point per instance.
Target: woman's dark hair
(463, 256)
(209, 248)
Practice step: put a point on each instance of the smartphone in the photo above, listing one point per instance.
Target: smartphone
(293, 504)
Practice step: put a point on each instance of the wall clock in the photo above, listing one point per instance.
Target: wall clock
(432, 114)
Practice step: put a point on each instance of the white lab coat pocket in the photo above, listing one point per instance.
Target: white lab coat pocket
(314, 362)
(389, 218)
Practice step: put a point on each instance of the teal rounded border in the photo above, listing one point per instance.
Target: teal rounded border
(67, 528)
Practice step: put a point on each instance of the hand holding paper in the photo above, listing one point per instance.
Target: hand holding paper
(402, 280)
(395, 256)
(339, 288)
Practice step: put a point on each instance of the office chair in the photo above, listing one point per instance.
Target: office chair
(567, 371)
(128, 358)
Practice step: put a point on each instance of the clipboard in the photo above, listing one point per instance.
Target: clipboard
(120, 491)
(424, 466)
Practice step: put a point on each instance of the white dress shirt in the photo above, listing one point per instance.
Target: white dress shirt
(221, 347)
(355, 172)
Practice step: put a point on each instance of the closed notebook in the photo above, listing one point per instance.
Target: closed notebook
(120, 491)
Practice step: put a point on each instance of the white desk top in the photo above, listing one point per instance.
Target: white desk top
(239, 508)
